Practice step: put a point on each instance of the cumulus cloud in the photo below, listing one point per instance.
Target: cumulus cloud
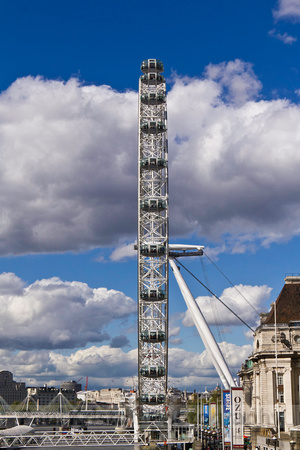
(183, 363)
(236, 79)
(69, 175)
(285, 37)
(52, 314)
(69, 156)
(234, 297)
(239, 166)
(287, 9)
(105, 365)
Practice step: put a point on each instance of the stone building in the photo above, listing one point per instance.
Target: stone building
(47, 394)
(112, 396)
(270, 377)
(10, 390)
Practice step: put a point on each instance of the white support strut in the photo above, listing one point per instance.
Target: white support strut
(204, 331)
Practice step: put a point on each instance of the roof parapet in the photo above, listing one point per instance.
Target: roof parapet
(292, 279)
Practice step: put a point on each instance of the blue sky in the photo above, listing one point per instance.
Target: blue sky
(68, 143)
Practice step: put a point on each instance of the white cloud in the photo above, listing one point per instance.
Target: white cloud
(106, 365)
(234, 297)
(239, 166)
(287, 9)
(68, 172)
(123, 252)
(69, 158)
(175, 341)
(174, 331)
(285, 37)
(51, 313)
(183, 363)
(237, 80)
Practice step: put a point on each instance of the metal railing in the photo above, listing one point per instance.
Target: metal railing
(72, 438)
(97, 414)
(83, 438)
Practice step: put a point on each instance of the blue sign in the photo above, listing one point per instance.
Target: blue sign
(226, 417)
(206, 414)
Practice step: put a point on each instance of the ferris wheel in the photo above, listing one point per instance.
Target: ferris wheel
(154, 255)
(153, 239)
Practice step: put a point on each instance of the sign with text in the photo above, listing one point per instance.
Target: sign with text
(226, 400)
(237, 417)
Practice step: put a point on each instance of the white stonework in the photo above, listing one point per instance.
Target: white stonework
(270, 377)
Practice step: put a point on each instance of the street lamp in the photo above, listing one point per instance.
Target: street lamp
(274, 438)
(214, 439)
(197, 416)
(292, 444)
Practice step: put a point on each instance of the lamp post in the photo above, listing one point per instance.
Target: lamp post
(214, 439)
(209, 439)
(292, 444)
(198, 416)
(274, 438)
(277, 421)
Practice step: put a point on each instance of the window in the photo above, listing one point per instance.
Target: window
(281, 420)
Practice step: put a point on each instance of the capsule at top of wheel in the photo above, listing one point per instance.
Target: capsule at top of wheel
(152, 65)
(152, 78)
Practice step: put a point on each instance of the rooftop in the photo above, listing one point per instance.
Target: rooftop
(287, 303)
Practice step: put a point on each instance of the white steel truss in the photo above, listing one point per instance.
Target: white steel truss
(153, 240)
(96, 438)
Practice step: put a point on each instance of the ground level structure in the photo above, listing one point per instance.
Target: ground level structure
(271, 375)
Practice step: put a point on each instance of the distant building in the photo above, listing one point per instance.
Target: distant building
(71, 386)
(10, 390)
(45, 395)
(105, 396)
(271, 376)
(114, 396)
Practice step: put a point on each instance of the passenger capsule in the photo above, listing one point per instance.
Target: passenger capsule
(153, 336)
(152, 127)
(153, 98)
(153, 204)
(154, 399)
(152, 78)
(153, 371)
(153, 294)
(153, 249)
(152, 65)
(153, 163)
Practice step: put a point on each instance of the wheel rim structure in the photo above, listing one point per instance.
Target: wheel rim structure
(153, 243)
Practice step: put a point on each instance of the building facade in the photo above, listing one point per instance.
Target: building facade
(10, 390)
(47, 394)
(271, 376)
(113, 396)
